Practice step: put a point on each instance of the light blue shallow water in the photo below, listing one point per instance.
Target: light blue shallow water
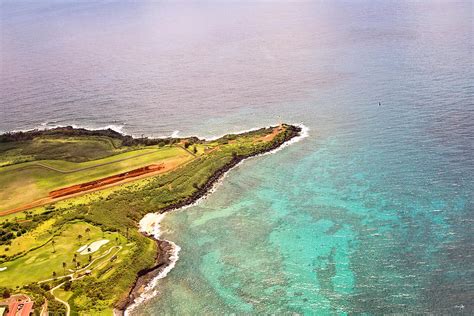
(372, 213)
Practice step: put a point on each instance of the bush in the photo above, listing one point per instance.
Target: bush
(6, 293)
(67, 285)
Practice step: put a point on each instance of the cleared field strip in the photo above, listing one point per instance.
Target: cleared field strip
(28, 185)
(99, 183)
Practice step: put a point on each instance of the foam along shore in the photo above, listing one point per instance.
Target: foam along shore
(145, 286)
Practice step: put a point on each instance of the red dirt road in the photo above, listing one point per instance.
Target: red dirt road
(96, 185)
(104, 181)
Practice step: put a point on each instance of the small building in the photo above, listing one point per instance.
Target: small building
(20, 308)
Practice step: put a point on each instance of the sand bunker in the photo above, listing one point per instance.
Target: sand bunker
(92, 247)
(82, 248)
(3, 269)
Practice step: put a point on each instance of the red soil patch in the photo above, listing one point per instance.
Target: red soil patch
(270, 136)
(104, 181)
(165, 167)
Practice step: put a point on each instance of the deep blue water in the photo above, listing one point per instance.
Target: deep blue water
(372, 213)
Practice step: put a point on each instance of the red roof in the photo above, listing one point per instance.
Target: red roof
(20, 309)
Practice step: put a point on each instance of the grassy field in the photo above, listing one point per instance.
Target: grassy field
(74, 149)
(39, 264)
(26, 182)
(26, 238)
(32, 239)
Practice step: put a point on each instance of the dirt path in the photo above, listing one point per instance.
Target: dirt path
(187, 150)
(71, 275)
(86, 186)
(271, 136)
(44, 308)
(72, 278)
(68, 308)
(46, 200)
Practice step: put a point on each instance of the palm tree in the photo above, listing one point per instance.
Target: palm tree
(64, 267)
(88, 231)
(53, 243)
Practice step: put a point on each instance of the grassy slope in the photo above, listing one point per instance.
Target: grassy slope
(76, 149)
(38, 181)
(41, 263)
(121, 208)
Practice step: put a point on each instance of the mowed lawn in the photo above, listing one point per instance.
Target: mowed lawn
(24, 183)
(39, 264)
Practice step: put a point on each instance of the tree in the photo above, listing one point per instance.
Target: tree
(6, 293)
(79, 237)
(67, 285)
(88, 232)
(195, 150)
(54, 274)
(90, 258)
(53, 243)
(64, 267)
(45, 286)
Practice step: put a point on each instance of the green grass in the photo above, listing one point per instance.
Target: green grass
(62, 294)
(31, 239)
(40, 263)
(76, 149)
(115, 209)
(27, 182)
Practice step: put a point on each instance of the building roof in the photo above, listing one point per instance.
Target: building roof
(20, 309)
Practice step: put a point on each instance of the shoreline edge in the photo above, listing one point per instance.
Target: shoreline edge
(143, 287)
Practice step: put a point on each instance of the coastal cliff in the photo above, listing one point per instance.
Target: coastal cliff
(165, 247)
(101, 184)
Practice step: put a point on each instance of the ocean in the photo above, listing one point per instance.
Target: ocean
(372, 213)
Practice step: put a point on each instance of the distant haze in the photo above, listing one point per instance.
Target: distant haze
(372, 213)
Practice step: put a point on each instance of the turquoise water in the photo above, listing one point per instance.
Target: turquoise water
(372, 213)
(333, 224)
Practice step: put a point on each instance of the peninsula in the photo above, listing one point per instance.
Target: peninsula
(72, 199)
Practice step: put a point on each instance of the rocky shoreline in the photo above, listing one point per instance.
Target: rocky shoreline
(144, 277)
(165, 248)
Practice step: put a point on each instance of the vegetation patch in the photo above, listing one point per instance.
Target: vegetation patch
(46, 262)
